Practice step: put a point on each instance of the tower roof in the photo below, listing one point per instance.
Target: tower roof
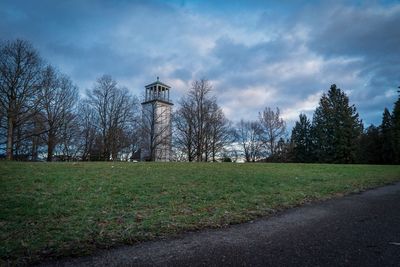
(158, 82)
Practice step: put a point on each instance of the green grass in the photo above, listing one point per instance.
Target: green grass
(59, 209)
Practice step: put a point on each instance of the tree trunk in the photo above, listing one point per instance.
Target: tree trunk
(50, 147)
(213, 154)
(34, 148)
(10, 139)
(105, 153)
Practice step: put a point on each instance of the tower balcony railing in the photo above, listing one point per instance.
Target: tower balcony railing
(157, 97)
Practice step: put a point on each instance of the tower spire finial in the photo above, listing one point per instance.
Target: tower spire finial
(158, 78)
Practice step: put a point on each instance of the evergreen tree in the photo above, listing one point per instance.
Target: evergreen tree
(396, 130)
(301, 140)
(370, 146)
(336, 128)
(283, 153)
(387, 141)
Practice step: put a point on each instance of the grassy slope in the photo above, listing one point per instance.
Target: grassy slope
(71, 208)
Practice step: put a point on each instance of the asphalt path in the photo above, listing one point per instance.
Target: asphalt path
(356, 230)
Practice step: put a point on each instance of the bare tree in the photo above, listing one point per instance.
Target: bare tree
(87, 129)
(200, 95)
(219, 131)
(58, 99)
(70, 146)
(132, 138)
(201, 127)
(248, 134)
(19, 82)
(37, 129)
(114, 108)
(273, 128)
(123, 118)
(101, 98)
(184, 129)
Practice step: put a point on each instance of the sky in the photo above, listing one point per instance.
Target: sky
(256, 54)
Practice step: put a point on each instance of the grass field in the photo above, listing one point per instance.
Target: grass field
(58, 209)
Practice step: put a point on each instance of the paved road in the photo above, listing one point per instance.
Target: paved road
(357, 230)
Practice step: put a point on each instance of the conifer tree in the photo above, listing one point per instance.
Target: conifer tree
(387, 141)
(370, 146)
(301, 140)
(336, 128)
(396, 130)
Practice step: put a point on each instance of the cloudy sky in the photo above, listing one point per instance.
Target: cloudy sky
(255, 53)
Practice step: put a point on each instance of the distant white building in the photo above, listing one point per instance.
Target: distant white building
(156, 122)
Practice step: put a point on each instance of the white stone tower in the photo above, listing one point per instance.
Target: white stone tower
(157, 125)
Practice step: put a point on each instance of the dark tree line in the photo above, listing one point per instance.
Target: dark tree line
(36, 103)
(333, 134)
(19, 79)
(381, 144)
(42, 115)
(336, 134)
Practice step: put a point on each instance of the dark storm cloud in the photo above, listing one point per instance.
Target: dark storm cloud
(80, 36)
(368, 32)
(373, 35)
(255, 54)
(358, 48)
